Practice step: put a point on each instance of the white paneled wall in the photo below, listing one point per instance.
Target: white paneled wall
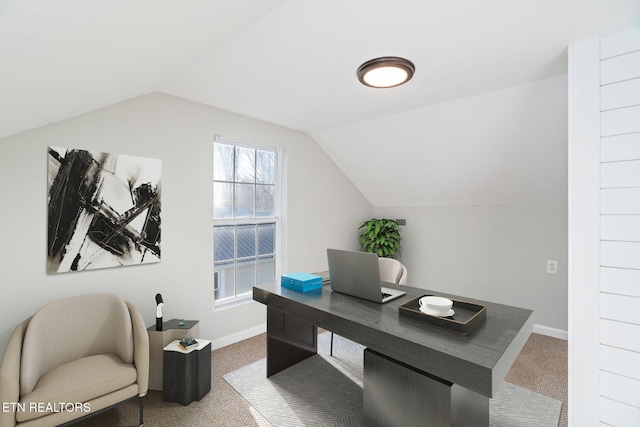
(620, 229)
(620, 67)
(620, 201)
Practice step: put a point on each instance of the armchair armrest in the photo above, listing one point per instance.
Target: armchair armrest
(141, 349)
(10, 374)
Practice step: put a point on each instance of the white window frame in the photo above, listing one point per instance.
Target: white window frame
(276, 219)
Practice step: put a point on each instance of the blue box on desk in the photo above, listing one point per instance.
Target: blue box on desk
(301, 282)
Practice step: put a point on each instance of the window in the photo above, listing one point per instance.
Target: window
(245, 218)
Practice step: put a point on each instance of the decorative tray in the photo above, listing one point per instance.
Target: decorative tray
(467, 315)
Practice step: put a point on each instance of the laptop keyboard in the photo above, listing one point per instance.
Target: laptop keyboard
(384, 295)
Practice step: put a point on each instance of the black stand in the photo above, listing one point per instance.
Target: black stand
(159, 303)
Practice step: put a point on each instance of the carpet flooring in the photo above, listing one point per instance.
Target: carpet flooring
(541, 367)
(327, 391)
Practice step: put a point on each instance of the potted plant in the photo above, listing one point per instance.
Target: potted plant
(380, 236)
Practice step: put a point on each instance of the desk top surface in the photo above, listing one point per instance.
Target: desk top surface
(478, 361)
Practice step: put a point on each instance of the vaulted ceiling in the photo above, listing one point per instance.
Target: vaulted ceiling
(483, 120)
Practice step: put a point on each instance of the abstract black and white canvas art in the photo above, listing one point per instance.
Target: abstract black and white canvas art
(104, 210)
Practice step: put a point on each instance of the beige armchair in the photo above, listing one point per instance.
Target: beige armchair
(73, 358)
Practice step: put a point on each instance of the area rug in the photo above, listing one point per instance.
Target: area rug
(326, 390)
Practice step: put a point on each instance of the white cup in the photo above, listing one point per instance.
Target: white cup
(436, 306)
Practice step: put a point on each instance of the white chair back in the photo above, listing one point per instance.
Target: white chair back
(392, 271)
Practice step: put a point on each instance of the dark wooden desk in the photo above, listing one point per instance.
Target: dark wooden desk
(456, 374)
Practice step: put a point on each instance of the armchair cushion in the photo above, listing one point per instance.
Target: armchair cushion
(79, 381)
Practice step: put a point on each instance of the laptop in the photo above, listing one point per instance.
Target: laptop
(358, 274)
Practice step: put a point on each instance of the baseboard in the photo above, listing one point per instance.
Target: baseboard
(551, 332)
(239, 336)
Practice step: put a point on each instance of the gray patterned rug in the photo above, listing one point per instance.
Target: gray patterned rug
(327, 391)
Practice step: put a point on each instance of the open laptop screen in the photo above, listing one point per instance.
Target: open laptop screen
(358, 274)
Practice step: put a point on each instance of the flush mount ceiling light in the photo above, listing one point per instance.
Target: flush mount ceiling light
(388, 71)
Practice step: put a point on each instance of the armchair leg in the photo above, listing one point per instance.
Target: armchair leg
(141, 410)
(331, 350)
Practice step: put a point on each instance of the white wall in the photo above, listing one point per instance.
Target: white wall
(507, 147)
(495, 253)
(323, 209)
(604, 380)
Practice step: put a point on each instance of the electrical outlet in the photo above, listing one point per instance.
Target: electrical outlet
(552, 266)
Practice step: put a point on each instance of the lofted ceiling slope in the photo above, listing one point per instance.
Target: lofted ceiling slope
(62, 58)
(296, 66)
(293, 63)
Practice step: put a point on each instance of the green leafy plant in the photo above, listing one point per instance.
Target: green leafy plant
(380, 236)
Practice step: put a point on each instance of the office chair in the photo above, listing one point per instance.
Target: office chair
(392, 271)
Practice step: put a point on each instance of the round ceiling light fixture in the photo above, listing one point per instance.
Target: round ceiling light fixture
(387, 71)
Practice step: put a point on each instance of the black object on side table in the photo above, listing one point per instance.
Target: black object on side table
(186, 372)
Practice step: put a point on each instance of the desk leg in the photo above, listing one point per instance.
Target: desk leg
(289, 340)
(396, 394)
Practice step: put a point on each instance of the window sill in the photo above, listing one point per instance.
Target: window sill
(223, 305)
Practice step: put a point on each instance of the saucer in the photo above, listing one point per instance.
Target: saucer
(449, 314)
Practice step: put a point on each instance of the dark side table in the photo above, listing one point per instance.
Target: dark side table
(171, 330)
(186, 373)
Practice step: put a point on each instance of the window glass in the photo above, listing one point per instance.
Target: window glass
(245, 164)
(224, 246)
(243, 206)
(265, 200)
(266, 270)
(223, 162)
(246, 241)
(246, 276)
(266, 238)
(225, 281)
(222, 200)
(265, 167)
